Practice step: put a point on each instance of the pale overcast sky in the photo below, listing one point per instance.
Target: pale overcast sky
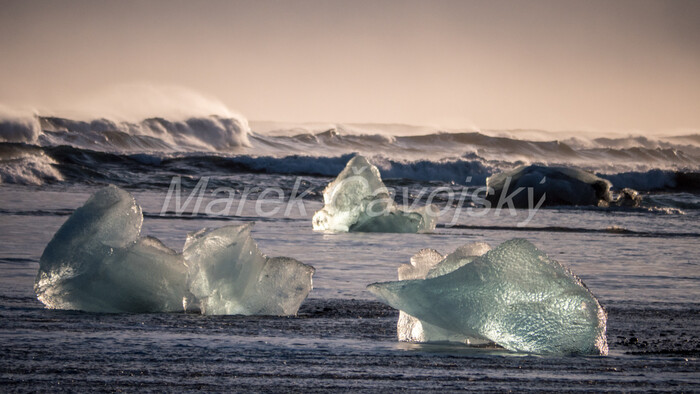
(614, 65)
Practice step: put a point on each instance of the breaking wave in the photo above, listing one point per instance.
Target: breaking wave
(41, 149)
(208, 133)
(31, 164)
(212, 133)
(27, 166)
(232, 135)
(18, 127)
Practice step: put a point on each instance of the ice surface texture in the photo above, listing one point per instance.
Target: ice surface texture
(513, 295)
(429, 263)
(358, 201)
(229, 275)
(97, 262)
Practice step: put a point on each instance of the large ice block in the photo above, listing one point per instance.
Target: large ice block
(514, 295)
(229, 275)
(96, 262)
(357, 200)
(558, 185)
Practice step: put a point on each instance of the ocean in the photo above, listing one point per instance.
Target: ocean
(640, 262)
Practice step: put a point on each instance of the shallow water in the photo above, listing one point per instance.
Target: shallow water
(642, 266)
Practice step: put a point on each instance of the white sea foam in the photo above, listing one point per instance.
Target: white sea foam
(209, 133)
(18, 126)
(27, 167)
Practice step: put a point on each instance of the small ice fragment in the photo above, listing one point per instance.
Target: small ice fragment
(463, 255)
(514, 296)
(229, 275)
(358, 201)
(627, 198)
(421, 263)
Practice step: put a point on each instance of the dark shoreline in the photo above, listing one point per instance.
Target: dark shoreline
(332, 345)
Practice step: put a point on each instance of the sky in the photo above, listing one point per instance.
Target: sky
(618, 65)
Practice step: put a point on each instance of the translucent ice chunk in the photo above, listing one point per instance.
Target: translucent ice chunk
(147, 276)
(463, 255)
(96, 261)
(430, 263)
(514, 295)
(357, 200)
(562, 185)
(229, 275)
(421, 263)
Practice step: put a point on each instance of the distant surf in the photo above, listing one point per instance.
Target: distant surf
(38, 149)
